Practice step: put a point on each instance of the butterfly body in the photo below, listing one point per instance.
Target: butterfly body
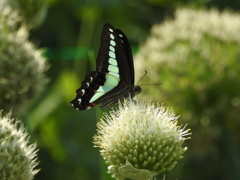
(113, 79)
(120, 96)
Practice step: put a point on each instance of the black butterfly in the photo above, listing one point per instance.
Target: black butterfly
(113, 79)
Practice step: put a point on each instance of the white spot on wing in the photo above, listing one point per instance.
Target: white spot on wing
(87, 84)
(111, 36)
(113, 43)
(111, 30)
(112, 48)
(83, 92)
(113, 69)
(91, 78)
(79, 101)
(113, 62)
(112, 54)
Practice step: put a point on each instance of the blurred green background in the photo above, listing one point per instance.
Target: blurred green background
(70, 35)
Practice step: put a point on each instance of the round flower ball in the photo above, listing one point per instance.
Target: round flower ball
(140, 140)
(31, 12)
(22, 70)
(196, 57)
(18, 159)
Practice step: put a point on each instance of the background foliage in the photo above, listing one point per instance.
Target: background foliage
(70, 35)
(201, 64)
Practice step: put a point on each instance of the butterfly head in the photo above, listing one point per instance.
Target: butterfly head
(135, 90)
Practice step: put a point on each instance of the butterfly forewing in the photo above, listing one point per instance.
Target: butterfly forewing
(114, 72)
(128, 56)
(115, 49)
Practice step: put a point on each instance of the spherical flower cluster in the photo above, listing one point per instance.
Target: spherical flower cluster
(22, 70)
(9, 18)
(196, 57)
(140, 140)
(31, 12)
(17, 158)
(191, 32)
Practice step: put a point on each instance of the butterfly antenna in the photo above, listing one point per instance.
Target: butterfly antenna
(147, 84)
(142, 77)
(150, 84)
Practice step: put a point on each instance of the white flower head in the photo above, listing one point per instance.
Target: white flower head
(140, 140)
(17, 158)
(22, 68)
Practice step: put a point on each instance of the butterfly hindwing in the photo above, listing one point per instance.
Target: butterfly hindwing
(93, 86)
(114, 75)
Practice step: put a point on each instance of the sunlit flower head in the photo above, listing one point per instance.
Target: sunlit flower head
(17, 158)
(140, 140)
(196, 57)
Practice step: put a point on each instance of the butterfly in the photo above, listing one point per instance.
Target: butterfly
(113, 79)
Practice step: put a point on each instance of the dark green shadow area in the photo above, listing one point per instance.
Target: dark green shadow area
(70, 53)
